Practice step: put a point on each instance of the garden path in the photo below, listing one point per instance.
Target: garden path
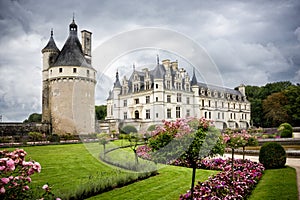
(292, 162)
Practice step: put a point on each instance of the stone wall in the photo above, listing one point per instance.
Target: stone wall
(10, 129)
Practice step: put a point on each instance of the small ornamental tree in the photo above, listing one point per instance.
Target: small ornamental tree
(134, 139)
(191, 139)
(103, 139)
(236, 140)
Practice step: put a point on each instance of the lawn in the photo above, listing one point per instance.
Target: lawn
(67, 167)
(64, 167)
(276, 184)
(169, 184)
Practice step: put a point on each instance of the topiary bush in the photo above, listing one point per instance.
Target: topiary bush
(151, 127)
(285, 130)
(272, 155)
(128, 129)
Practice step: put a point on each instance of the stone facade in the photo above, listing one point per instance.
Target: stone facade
(68, 96)
(167, 92)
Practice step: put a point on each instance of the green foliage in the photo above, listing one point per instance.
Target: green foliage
(128, 129)
(274, 111)
(272, 155)
(34, 117)
(285, 130)
(151, 127)
(35, 136)
(293, 107)
(53, 138)
(100, 112)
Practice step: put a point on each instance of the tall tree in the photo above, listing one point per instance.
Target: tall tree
(100, 112)
(34, 117)
(274, 109)
(293, 107)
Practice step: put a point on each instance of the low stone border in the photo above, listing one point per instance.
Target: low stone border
(289, 154)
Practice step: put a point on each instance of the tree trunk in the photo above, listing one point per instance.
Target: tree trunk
(193, 180)
(243, 153)
(232, 164)
(104, 151)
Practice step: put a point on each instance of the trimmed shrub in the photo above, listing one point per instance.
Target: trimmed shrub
(272, 155)
(53, 138)
(285, 130)
(35, 136)
(128, 129)
(151, 127)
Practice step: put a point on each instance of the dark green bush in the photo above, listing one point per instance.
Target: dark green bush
(285, 130)
(35, 136)
(272, 155)
(53, 138)
(128, 129)
(151, 127)
(286, 133)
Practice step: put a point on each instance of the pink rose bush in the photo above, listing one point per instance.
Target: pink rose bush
(220, 186)
(235, 140)
(15, 174)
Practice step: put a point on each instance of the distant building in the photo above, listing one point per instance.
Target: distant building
(68, 94)
(166, 92)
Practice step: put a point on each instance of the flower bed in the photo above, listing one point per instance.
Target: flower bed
(246, 173)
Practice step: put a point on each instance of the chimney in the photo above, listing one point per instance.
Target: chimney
(87, 45)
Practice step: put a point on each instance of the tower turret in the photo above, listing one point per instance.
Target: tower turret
(50, 53)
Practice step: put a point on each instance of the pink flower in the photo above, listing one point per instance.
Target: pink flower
(26, 187)
(57, 199)
(28, 179)
(2, 190)
(10, 164)
(5, 180)
(45, 187)
(37, 167)
(2, 168)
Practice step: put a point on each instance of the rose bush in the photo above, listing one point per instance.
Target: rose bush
(15, 174)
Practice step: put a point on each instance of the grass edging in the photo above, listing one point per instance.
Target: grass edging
(277, 184)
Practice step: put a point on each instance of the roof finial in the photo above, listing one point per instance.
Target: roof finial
(157, 57)
(73, 17)
(51, 32)
(117, 75)
(133, 67)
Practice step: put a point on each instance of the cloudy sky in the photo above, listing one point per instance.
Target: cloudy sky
(249, 42)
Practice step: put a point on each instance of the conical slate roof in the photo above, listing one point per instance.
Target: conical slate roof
(51, 46)
(71, 53)
(194, 79)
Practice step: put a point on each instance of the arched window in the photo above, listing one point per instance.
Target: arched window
(136, 114)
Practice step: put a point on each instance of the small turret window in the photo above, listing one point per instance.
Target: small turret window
(60, 70)
(74, 70)
(88, 73)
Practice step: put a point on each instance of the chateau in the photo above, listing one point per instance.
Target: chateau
(68, 91)
(166, 92)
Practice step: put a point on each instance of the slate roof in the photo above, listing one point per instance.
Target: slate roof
(160, 71)
(51, 46)
(71, 53)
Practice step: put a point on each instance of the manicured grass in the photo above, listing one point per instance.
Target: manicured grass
(168, 184)
(276, 184)
(64, 167)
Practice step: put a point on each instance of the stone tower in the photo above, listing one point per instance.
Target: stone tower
(68, 99)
